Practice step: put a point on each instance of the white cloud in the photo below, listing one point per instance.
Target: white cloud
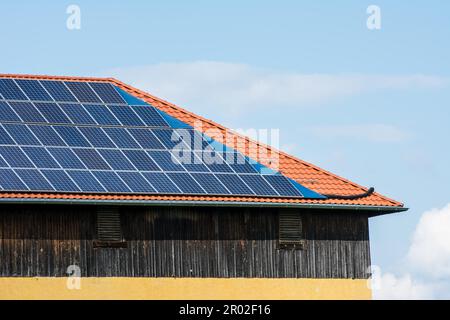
(391, 287)
(426, 267)
(430, 248)
(369, 132)
(239, 88)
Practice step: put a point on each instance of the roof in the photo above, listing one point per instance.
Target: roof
(308, 175)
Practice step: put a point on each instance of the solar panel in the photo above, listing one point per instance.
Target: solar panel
(77, 113)
(161, 182)
(83, 92)
(66, 158)
(185, 182)
(60, 180)
(68, 136)
(136, 182)
(141, 160)
(21, 134)
(101, 114)
(52, 112)
(234, 184)
(58, 91)
(27, 112)
(34, 90)
(210, 183)
(122, 138)
(34, 180)
(9, 181)
(86, 181)
(6, 113)
(107, 92)
(5, 137)
(72, 136)
(126, 116)
(97, 137)
(92, 159)
(282, 185)
(15, 157)
(40, 157)
(10, 91)
(47, 135)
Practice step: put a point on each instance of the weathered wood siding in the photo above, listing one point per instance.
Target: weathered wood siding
(181, 242)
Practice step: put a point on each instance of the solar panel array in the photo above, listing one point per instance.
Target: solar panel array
(66, 136)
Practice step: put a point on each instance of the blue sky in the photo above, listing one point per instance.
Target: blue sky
(369, 105)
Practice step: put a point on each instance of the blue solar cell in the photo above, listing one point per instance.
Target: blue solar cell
(136, 182)
(193, 139)
(258, 185)
(47, 135)
(122, 138)
(111, 181)
(15, 157)
(34, 180)
(21, 134)
(10, 181)
(91, 159)
(27, 112)
(141, 160)
(116, 160)
(234, 184)
(3, 163)
(66, 158)
(282, 185)
(83, 92)
(72, 136)
(170, 139)
(86, 181)
(238, 163)
(97, 137)
(191, 162)
(101, 114)
(150, 116)
(214, 161)
(34, 90)
(126, 115)
(52, 112)
(166, 161)
(146, 138)
(186, 183)
(161, 182)
(77, 113)
(60, 180)
(58, 91)
(107, 92)
(210, 183)
(5, 138)
(10, 91)
(40, 157)
(6, 113)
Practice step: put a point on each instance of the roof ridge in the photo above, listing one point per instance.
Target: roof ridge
(50, 77)
(259, 144)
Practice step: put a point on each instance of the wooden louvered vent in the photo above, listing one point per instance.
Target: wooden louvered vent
(290, 231)
(109, 231)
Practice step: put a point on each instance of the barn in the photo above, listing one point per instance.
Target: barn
(108, 192)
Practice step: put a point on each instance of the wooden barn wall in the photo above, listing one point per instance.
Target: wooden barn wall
(181, 242)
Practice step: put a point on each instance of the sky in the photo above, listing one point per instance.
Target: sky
(371, 105)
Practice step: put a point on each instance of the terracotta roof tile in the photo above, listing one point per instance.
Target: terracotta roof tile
(305, 173)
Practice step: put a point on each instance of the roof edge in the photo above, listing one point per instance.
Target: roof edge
(48, 77)
(377, 210)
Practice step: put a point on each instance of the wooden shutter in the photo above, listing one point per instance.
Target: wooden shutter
(109, 231)
(290, 230)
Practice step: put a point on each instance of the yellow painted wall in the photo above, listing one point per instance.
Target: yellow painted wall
(183, 288)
